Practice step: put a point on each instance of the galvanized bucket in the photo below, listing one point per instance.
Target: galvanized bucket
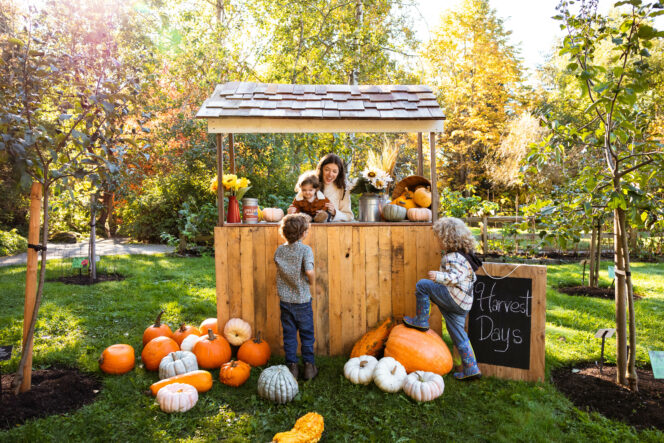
(371, 206)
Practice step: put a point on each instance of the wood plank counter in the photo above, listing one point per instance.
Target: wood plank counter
(364, 273)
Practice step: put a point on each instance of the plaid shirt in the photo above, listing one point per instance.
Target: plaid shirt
(292, 261)
(457, 275)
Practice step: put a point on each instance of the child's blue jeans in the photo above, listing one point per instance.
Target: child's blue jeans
(298, 317)
(455, 317)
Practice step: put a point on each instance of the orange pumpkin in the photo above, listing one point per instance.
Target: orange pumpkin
(256, 352)
(212, 351)
(373, 341)
(422, 197)
(234, 373)
(209, 323)
(183, 332)
(158, 329)
(405, 200)
(201, 380)
(155, 350)
(418, 351)
(117, 359)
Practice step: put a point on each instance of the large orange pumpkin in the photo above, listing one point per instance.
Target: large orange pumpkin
(155, 350)
(212, 351)
(209, 323)
(117, 359)
(183, 332)
(405, 200)
(234, 373)
(201, 380)
(256, 352)
(158, 329)
(418, 351)
(373, 341)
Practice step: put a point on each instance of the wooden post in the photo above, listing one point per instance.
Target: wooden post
(220, 175)
(434, 187)
(93, 238)
(420, 155)
(231, 153)
(485, 236)
(31, 280)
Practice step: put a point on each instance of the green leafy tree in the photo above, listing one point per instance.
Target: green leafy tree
(617, 149)
(65, 91)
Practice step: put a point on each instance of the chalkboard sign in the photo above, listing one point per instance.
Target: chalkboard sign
(500, 321)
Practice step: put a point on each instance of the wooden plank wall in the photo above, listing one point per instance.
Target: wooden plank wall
(363, 274)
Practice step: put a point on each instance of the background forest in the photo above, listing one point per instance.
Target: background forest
(110, 90)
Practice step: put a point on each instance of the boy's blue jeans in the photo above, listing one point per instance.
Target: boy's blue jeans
(455, 317)
(298, 317)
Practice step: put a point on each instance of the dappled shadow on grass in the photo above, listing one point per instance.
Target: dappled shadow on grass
(86, 280)
(587, 291)
(591, 390)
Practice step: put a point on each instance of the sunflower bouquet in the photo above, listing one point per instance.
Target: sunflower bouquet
(237, 186)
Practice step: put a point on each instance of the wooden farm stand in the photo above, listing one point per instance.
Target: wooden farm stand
(364, 271)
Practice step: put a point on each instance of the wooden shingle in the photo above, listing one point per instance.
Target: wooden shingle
(276, 100)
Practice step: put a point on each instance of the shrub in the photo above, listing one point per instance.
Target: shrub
(11, 242)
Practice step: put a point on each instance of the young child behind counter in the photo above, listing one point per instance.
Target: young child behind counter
(295, 273)
(451, 289)
(309, 199)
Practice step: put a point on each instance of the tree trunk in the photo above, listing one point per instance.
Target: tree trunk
(106, 214)
(593, 259)
(598, 259)
(621, 326)
(27, 350)
(632, 376)
(92, 256)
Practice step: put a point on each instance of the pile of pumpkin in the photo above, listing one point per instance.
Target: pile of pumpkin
(414, 361)
(413, 206)
(179, 354)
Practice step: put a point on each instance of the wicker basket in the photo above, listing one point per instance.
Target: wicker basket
(412, 182)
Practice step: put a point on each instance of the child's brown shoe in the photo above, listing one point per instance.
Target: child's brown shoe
(310, 371)
(321, 217)
(292, 367)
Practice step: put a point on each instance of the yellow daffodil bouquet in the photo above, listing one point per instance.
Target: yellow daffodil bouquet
(237, 186)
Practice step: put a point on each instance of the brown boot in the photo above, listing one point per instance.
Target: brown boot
(310, 371)
(292, 367)
(321, 217)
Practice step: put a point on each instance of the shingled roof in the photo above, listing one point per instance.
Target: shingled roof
(327, 102)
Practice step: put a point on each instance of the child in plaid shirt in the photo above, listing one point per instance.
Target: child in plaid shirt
(451, 289)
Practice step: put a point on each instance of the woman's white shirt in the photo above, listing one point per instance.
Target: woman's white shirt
(341, 202)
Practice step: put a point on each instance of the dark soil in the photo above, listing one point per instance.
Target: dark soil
(591, 391)
(84, 279)
(54, 391)
(587, 291)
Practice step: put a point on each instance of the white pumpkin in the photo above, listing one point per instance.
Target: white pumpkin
(189, 342)
(176, 363)
(277, 384)
(177, 397)
(389, 375)
(424, 386)
(360, 370)
(237, 331)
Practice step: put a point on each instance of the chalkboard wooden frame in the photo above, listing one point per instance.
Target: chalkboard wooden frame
(537, 274)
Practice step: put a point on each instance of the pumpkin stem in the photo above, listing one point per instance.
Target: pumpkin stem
(419, 376)
(258, 337)
(157, 321)
(211, 335)
(394, 370)
(182, 327)
(363, 363)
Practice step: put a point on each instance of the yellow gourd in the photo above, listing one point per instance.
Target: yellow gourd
(405, 200)
(422, 197)
(308, 428)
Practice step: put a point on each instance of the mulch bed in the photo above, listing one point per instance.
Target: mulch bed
(591, 391)
(54, 391)
(587, 291)
(85, 279)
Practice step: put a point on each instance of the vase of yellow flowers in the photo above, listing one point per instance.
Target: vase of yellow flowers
(237, 186)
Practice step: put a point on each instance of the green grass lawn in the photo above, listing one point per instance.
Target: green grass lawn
(77, 322)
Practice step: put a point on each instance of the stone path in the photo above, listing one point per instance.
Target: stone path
(116, 246)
